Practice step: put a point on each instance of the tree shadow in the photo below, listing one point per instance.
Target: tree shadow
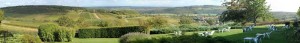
(275, 37)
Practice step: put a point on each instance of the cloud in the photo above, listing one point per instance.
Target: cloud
(110, 2)
(276, 5)
(284, 5)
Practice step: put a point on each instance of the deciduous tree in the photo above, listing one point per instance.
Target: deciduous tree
(157, 22)
(1, 15)
(243, 11)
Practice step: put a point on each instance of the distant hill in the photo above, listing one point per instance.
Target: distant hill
(281, 15)
(36, 9)
(203, 9)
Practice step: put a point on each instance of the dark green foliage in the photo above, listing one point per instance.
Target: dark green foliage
(221, 40)
(52, 32)
(131, 37)
(184, 39)
(162, 31)
(112, 32)
(287, 23)
(156, 32)
(86, 33)
(237, 27)
(292, 35)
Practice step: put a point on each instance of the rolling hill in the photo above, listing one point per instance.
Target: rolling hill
(203, 9)
(200, 9)
(37, 9)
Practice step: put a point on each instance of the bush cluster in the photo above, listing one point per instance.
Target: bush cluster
(134, 36)
(30, 39)
(52, 32)
(184, 39)
(20, 38)
(109, 32)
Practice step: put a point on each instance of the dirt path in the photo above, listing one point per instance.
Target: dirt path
(96, 16)
(18, 29)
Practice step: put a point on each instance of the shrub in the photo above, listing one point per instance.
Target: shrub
(211, 21)
(30, 39)
(59, 35)
(45, 32)
(109, 32)
(102, 23)
(20, 38)
(185, 26)
(52, 32)
(133, 37)
(65, 21)
(184, 39)
(5, 35)
(64, 34)
(70, 34)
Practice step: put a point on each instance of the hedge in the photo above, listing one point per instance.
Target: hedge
(110, 32)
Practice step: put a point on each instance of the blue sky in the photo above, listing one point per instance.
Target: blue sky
(276, 5)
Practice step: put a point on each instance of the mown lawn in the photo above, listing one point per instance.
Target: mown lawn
(275, 37)
(235, 35)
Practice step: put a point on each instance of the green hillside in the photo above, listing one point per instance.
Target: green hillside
(37, 9)
(203, 9)
(33, 10)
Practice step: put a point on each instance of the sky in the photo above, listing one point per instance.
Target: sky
(276, 5)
